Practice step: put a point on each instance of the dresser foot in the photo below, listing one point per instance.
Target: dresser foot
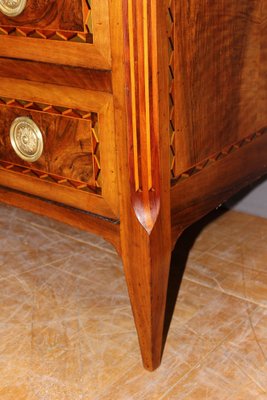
(146, 259)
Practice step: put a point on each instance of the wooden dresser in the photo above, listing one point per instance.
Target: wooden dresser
(132, 119)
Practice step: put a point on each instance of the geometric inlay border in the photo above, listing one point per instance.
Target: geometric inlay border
(226, 151)
(69, 113)
(171, 47)
(46, 108)
(53, 34)
(48, 177)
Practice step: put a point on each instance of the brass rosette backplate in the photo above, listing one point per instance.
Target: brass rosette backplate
(26, 139)
(12, 8)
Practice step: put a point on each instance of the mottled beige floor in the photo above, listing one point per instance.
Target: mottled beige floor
(66, 329)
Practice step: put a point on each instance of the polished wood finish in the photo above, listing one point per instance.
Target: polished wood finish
(99, 81)
(196, 195)
(175, 96)
(59, 15)
(68, 150)
(144, 177)
(219, 74)
(77, 107)
(62, 46)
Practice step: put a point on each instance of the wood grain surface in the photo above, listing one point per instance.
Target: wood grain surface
(56, 46)
(141, 97)
(62, 75)
(69, 103)
(67, 144)
(219, 75)
(194, 197)
(55, 14)
(186, 78)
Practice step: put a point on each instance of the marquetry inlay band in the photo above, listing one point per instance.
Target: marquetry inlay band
(48, 177)
(67, 112)
(12, 8)
(225, 152)
(46, 108)
(171, 46)
(141, 63)
(26, 139)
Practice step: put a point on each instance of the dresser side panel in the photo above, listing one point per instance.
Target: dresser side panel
(219, 77)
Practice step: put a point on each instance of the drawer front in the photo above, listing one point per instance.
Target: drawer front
(67, 144)
(75, 144)
(62, 31)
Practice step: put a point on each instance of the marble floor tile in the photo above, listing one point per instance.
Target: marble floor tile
(86, 260)
(66, 327)
(228, 277)
(48, 224)
(218, 378)
(235, 370)
(24, 247)
(248, 254)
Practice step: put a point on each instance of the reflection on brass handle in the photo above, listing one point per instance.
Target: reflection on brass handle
(26, 139)
(12, 8)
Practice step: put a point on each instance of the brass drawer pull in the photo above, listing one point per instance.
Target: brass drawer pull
(12, 8)
(26, 139)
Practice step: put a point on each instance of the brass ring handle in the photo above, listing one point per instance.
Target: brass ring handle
(26, 139)
(12, 8)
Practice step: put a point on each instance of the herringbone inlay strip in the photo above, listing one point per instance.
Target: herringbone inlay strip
(49, 177)
(225, 152)
(68, 113)
(47, 108)
(171, 85)
(51, 34)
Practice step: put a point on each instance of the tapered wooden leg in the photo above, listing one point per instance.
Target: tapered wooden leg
(141, 94)
(146, 259)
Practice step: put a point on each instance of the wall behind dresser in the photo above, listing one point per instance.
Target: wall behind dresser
(252, 200)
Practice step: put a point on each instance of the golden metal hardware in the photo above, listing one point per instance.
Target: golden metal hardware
(26, 139)
(12, 8)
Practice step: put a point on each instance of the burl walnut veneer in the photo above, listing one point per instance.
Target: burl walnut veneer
(132, 119)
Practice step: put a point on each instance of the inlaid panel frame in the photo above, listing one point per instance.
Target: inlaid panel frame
(195, 144)
(80, 54)
(105, 203)
(45, 15)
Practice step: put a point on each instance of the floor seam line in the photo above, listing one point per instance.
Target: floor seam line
(200, 362)
(225, 292)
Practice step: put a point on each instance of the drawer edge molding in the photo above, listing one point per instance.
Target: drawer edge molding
(65, 48)
(52, 51)
(60, 75)
(85, 201)
(51, 94)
